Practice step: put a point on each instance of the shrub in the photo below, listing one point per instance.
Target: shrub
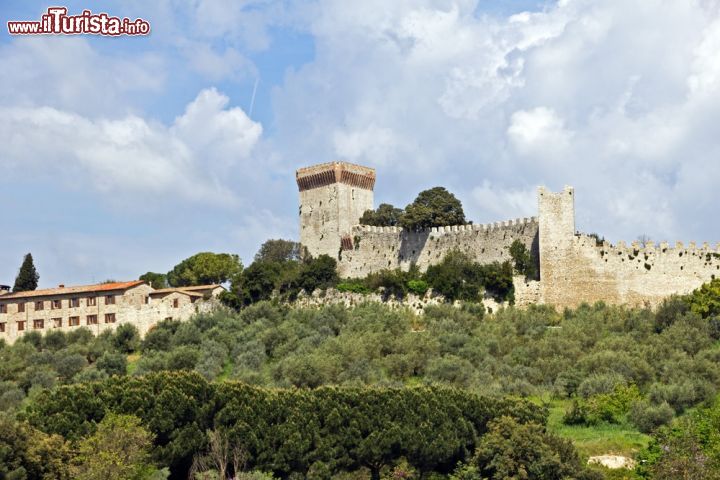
(647, 417)
(418, 287)
(112, 363)
(353, 286)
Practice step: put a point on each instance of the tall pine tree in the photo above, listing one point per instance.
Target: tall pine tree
(27, 278)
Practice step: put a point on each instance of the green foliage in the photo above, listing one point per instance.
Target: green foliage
(671, 309)
(279, 251)
(514, 450)
(126, 338)
(648, 417)
(688, 448)
(264, 279)
(112, 363)
(605, 407)
(458, 277)
(27, 277)
(318, 273)
(352, 286)
(205, 268)
(435, 207)
(705, 300)
(384, 216)
(118, 450)
(26, 453)
(523, 261)
(357, 427)
(155, 280)
(418, 287)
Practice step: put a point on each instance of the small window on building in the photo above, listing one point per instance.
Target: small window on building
(91, 320)
(109, 318)
(2, 328)
(3, 308)
(91, 301)
(74, 321)
(168, 319)
(147, 299)
(74, 303)
(39, 306)
(21, 326)
(38, 324)
(57, 322)
(176, 302)
(21, 307)
(109, 299)
(56, 304)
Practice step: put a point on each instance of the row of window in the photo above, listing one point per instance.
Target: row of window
(57, 304)
(58, 322)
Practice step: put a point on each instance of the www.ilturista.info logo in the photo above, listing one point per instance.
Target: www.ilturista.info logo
(57, 22)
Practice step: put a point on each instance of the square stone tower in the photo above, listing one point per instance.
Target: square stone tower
(556, 213)
(333, 197)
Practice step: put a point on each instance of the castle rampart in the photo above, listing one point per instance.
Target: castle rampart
(573, 267)
(376, 248)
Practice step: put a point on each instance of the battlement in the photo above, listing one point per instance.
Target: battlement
(471, 227)
(650, 248)
(329, 173)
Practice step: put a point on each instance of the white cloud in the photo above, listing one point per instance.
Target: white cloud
(618, 98)
(68, 74)
(132, 155)
(539, 131)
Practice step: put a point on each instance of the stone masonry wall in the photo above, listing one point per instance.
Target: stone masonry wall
(622, 274)
(574, 269)
(376, 248)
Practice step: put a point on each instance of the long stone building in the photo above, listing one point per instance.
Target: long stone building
(573, 267)
(98, 307)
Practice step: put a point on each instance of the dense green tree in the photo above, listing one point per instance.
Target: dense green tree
(514, 450)
(523, 261)
(27, 278)
(155, 280)
(112, 363)
(205, 268)
(457, 277)
(385, 215)
(435, 207)
(26, 453)
(320, 272)
(118, 450)
(279, 251)
(126, 338)
(706, 299)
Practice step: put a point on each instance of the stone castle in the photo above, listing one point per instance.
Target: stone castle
(573, 267)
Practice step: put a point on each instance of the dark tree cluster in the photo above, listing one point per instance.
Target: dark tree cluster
(435, 207)
(314, 433)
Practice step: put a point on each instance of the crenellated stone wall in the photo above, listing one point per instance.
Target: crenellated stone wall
(370, 249)
(572, 268)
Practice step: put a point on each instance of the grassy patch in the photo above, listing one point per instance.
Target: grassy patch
(602, 439)
(226, 371)
(132, 361)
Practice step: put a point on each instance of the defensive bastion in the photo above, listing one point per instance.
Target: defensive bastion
(573, 267)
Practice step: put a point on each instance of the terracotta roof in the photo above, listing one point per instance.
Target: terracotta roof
(102, 287)
(201, 287)
(167, 291)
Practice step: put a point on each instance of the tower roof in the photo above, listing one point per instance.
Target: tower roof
(335, 172)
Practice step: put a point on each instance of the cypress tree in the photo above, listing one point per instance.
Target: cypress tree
(27, 278)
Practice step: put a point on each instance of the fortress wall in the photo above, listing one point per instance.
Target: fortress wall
(622, 274)
(378, 248)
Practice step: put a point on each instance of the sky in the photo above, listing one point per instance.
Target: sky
(122, 155)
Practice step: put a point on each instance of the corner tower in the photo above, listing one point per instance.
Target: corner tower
(556, 212)
(333, 197)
